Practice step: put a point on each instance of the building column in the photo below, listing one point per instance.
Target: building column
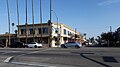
(61, 40)
(53, 43)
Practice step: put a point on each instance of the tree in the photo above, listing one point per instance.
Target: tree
(98, 39)
(6, 33)
(92, 40)
(13, 27)
(15, 31)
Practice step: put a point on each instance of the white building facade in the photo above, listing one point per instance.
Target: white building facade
(61, 36)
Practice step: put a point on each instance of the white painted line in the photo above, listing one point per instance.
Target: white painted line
(10, 52)
(34, 52)
(28, 64)
(5, 53)
(8, 59)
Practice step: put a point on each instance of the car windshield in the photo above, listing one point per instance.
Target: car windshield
(32, 43)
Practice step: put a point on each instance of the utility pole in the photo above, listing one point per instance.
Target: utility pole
(26, 22)
(41, 19)
(18, 19)
(33, 20)
(75, 34)
(8, 21)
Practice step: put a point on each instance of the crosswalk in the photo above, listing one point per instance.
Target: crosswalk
(20, 52)
(11, 53)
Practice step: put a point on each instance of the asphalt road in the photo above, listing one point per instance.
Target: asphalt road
(59, 57)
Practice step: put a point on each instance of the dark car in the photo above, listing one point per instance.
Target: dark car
(18, 45)
(1, 45)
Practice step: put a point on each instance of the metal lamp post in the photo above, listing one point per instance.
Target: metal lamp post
(56, 17)
(57, 27)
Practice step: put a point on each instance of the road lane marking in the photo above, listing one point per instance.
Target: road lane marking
(33, 52)
(10, 52)
(8, 59)
(28, 64)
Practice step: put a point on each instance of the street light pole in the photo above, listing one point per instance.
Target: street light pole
(57, 26)
(57, 18)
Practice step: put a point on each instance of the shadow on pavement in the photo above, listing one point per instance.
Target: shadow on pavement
(109, 59)
(83, 55)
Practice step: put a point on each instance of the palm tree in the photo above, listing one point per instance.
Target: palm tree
(18, 18)
(41, 20)
(6, 33)
(8, 20)
(33, 19)
(26, 23)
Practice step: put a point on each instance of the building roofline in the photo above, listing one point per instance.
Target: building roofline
(7, 35)
(70, 28)
(65, 26)
(32, 24)
(48, 24)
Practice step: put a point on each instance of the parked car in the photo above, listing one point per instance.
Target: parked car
(1, 45)
(34, 45)
(71, 44)
(18, 45)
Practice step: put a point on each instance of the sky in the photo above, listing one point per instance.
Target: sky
(88, 16)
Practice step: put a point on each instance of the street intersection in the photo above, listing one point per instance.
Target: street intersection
(60, 57)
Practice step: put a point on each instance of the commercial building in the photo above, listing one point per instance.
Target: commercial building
(4, 39)
(58, 34)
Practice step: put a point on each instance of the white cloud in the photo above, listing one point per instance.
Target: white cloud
(108, 2)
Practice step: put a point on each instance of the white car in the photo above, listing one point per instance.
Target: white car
(71, 44)
(34, 45)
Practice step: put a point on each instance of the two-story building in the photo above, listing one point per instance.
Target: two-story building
(61, 36)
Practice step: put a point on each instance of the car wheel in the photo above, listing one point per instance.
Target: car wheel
(35, 46)
(40, 47)
(77, 46)
(63, 46)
